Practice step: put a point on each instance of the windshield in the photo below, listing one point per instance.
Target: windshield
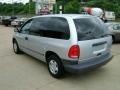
(90, 28)
(7, 17)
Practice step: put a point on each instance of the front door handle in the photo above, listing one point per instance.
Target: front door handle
(26, 38)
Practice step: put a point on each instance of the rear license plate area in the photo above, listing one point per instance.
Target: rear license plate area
(99, 46)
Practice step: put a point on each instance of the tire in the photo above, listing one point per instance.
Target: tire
(55, 66)
(16, 47)
(6, 25)
(113, 38)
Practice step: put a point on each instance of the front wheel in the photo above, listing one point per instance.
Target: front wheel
(113, 39)
(16, 47)
(55, 66)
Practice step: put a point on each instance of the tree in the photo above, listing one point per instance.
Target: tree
(72, 7)
(30, 0)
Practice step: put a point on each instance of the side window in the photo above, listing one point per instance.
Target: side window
(116, 27)
(26, 27)
(52, 27)
(38, 26)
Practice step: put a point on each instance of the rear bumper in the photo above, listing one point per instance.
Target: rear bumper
(86, 65)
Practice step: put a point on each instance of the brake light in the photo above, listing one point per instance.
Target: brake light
(74, 52)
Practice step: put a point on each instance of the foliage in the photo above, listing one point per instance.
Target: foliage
(72, 7)
(17, 8)
(69, 6)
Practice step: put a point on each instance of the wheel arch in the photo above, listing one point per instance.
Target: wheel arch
(49, 53)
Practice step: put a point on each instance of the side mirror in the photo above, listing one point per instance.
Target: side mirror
(16, 29)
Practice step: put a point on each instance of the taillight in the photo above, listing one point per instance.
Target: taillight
(74, 52)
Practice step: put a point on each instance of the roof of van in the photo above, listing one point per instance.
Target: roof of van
(66, 15)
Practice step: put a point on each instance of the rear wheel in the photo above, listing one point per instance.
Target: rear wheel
(55, 66)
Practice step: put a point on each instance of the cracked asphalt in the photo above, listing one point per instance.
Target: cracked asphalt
(22, 72)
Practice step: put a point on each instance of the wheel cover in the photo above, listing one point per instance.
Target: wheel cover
(15, 47)
(53, 66)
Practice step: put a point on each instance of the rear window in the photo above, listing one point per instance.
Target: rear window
(90, 28)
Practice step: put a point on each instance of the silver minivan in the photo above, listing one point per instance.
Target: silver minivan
(73, 43)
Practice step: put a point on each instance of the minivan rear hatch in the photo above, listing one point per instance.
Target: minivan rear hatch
(93, 37)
